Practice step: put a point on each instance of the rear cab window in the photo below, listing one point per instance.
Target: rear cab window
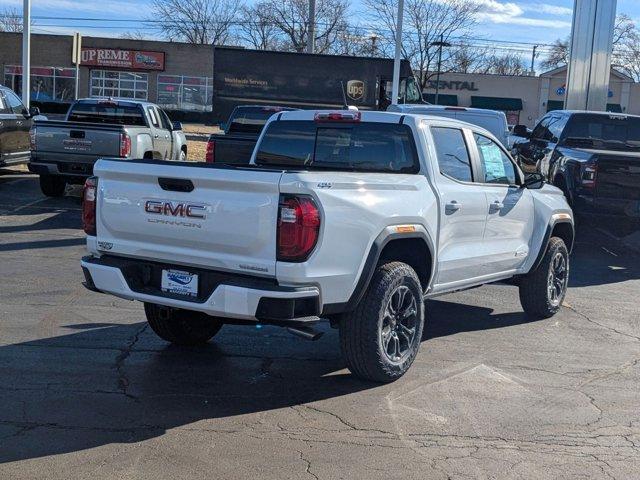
(366, 146)
(611, 131)
(108, 113)
(251, 119)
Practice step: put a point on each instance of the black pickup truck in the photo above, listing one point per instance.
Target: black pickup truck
(594, 157)
(234, 145)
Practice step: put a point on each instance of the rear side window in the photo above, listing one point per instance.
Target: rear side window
(373, 147)
(110, 113)
(153, 117)
(453, 156)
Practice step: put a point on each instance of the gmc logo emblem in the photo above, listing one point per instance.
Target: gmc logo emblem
(175, 209)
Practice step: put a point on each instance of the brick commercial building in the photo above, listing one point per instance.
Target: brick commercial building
(179, 77)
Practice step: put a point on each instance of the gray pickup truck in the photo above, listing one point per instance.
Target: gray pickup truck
(63, 152)
(235, 144)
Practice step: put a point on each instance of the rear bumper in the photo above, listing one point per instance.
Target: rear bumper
(70, 169)
(222, 294)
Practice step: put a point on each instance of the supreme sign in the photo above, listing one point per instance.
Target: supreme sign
(115, 58)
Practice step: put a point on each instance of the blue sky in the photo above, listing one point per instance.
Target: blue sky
(529, 21)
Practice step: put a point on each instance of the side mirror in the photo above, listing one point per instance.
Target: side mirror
(533, 181)
(521, 131)
(177, 125)
(33, 112)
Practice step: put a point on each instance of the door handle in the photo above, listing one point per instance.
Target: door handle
(496, 206)
(452, 207)
(156, 136)
(18, 123)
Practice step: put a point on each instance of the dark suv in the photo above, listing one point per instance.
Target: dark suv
(15, 123)
(594, 157)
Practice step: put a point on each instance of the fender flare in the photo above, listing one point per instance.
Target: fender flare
(387, 235)
(547, 235)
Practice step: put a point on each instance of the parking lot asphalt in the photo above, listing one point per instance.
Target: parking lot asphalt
(88, 391)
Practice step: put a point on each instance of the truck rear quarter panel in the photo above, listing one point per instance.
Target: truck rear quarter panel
(355, 209)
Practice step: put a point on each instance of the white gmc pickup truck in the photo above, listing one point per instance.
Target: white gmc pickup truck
(354, 217)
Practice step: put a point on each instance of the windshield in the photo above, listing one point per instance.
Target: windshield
(597, 130)
(110, 113)
(378, 147)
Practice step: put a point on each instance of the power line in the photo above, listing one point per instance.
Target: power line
(152, 22)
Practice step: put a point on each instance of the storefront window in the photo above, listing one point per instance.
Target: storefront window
(107, 83)
(177, 92)
(48, 84)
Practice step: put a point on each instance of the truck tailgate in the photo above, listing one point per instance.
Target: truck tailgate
(230, 149)
(78, 139)
(218, 217)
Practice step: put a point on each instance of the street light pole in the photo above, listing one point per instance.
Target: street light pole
(396, 62)
(311, 37)
(439, 44)
(26, 53)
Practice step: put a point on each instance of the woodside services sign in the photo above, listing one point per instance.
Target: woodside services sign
(115, 58)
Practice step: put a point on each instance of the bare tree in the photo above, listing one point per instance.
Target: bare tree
(623, 36)
(507, 64)
(134, 35)
(257, 29)
(195, 21)
(10, 20)
(466, 58)
(425, 22)
(291, 18)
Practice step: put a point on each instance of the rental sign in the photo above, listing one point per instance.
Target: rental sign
(114, 58)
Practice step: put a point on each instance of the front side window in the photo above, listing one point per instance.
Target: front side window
(496, 165)
(541, 131)
(453, 156)
(14, 103)
(378, 147)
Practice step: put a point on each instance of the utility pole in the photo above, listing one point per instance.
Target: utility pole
(26, 53)
(396, 61)
(311, 31)
(439, 44)
(533, 60)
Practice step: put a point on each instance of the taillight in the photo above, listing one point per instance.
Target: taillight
(89, 197)
(298, 228)
(345, 117)
(125, 144)
(589, 175)
(210, 155)
(32, 138)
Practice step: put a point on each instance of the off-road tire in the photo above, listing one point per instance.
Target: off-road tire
(534, 291)
(181, 327)
(52, 185)
(361, 330)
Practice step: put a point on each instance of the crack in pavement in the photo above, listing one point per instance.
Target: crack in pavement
(123, 380)
(308, 462)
